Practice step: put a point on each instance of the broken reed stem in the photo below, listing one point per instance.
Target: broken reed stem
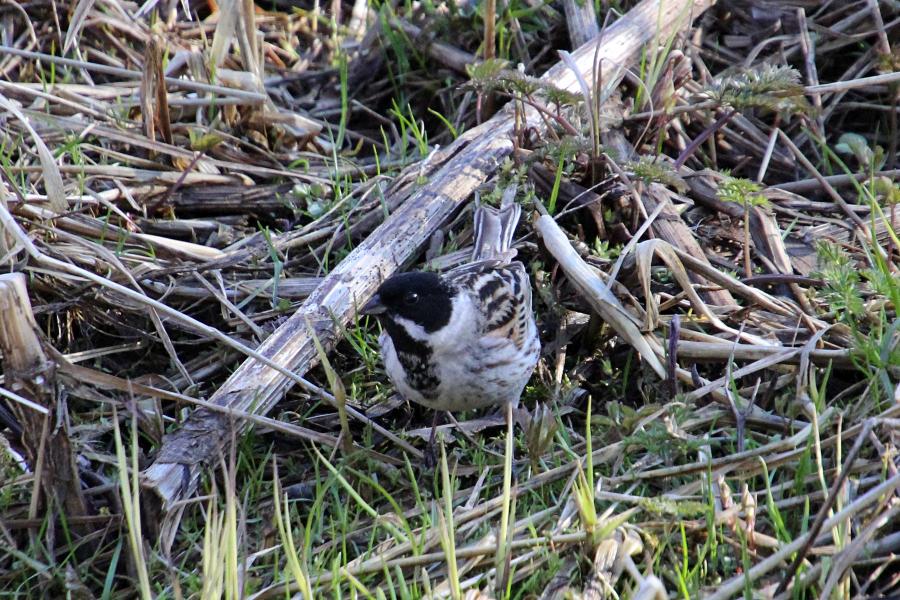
(716, 352)
(252, 98)
(596, 293)
(30, 375)
(488, 51)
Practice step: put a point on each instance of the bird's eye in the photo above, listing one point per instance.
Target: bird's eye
(411, 298)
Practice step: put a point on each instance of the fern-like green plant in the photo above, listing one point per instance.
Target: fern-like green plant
(650, 170)
(843, 280)
(770, 87)
(494, 76)
(748, 194)
(875, 327)
(773, 87)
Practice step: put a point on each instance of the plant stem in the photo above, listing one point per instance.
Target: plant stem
(748, 269)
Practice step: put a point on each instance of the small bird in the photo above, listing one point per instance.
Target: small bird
(466, 338)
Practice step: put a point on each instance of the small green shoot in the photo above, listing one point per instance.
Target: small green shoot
(748, 194)
(448, 530)
(296, 561)
(130, 489)
(337, 390)
(504, 535)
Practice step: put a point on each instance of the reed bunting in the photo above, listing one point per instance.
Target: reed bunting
(465, 338)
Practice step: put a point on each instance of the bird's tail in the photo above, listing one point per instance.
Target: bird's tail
(494, 228)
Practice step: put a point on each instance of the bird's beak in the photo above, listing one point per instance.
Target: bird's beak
(373, 306)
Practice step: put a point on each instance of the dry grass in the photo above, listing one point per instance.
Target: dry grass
(714, 249)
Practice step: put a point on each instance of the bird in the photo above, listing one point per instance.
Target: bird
(465, 338)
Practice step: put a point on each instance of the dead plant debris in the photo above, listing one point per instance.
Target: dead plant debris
(197, 195)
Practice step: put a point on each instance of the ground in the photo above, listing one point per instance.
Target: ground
(198, 196)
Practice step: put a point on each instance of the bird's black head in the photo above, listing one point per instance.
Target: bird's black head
(423, 298)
